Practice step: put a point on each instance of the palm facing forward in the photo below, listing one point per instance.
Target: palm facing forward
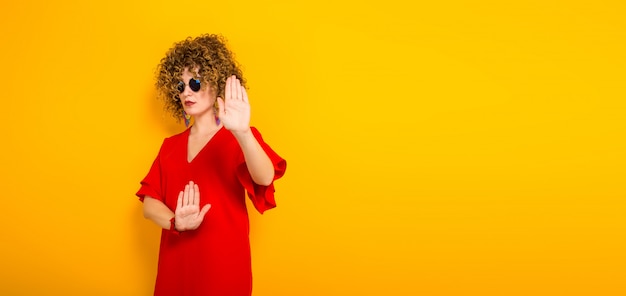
(188, 215)
(234, 111)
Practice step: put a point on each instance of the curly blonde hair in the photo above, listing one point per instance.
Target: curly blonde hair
(206, 53)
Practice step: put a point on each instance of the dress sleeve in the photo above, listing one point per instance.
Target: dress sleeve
(262, 197)
(151, 184)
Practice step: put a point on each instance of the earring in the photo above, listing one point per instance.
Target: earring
(216, 112)
(187, 118)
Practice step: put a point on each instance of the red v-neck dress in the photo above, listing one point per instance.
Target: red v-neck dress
(214, 259)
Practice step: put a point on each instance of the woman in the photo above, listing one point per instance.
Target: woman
(195, 189)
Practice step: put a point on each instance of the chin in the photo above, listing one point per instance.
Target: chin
(195, 111)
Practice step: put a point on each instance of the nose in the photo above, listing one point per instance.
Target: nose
(186, 91)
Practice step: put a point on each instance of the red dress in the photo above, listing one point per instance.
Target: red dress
(214, 259)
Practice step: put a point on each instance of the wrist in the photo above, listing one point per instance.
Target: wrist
(173, 227)
(242, 134)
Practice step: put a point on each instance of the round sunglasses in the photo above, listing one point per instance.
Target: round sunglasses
(194, 84)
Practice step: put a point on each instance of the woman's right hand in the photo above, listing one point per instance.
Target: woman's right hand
(188, 215)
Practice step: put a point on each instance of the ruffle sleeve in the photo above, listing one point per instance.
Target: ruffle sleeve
(151, 184)
(262, 197)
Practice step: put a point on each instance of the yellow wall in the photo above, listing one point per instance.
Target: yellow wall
(460, 148)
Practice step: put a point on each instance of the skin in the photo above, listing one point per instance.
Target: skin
(234, 115)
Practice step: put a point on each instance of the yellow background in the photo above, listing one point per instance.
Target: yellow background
(458, 148)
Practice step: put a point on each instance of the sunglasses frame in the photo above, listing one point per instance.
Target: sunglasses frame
(194, 84)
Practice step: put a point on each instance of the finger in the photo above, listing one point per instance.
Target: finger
(227, 92)
(186, 195)
(233, 87)
(192, 194)
(244, 94)
(205, 210)
(179, 202)
(196, 195)
(238, 88)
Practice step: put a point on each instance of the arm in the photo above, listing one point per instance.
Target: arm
(259, 164)
(234, 112)
(157, 212)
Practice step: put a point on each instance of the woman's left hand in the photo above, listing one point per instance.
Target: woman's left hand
(234, 111)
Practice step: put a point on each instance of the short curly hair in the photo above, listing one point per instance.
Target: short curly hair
(209, 55)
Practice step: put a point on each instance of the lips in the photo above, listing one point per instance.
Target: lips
(189, 103)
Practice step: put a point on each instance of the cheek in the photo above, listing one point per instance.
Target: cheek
(207, 95)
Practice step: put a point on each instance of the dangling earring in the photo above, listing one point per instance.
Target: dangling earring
(187, 118)
(216, 110)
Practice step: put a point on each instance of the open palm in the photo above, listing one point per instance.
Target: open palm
(188, 215)
(234, 109)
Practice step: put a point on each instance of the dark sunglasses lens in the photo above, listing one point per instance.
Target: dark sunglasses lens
(194, 84)
(181, 86)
